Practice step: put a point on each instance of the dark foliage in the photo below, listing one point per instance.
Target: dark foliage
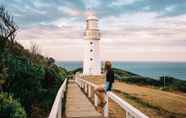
(172, 83)
(77, 70)
(10, 108)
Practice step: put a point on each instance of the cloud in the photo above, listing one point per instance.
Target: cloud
(92, 4)
(130, 29)
(122, 2)
(34, 12)
(151, 32)
(160, 38)
(170, 8)
(70, 12)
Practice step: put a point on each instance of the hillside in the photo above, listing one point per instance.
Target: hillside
(25, 75)
(153, 102)
(171, 84)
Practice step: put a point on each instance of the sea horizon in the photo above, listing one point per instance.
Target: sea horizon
(124, 61)
(153, 69)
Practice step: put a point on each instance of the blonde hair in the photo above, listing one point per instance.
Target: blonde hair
(108, 65)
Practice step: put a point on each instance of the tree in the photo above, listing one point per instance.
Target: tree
(8, 27)
(51, 61)
(34, 49)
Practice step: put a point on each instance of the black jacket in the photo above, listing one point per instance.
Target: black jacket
(110, 76)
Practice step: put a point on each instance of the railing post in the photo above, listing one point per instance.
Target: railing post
(85, 88)
(106, 107)
(95, 100)
(89, 91)
(81, 85)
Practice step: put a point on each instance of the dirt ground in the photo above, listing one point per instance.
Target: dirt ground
(165, 104)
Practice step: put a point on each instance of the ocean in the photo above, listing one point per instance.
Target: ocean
(148, 69)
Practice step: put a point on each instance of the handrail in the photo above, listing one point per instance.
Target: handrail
(131, 112)
(129, 108)
(56, 111)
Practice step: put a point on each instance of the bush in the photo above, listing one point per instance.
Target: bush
(76, 70)
(173, 83)
(24, 80)
(10, 108)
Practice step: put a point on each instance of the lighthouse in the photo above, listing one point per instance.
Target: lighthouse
(92, 60)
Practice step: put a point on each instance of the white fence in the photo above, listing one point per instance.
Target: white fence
(88, 87)
(56, 111)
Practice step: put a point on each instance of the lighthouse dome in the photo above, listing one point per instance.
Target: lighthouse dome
(91, 15)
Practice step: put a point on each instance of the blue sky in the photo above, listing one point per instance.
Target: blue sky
(132, 30)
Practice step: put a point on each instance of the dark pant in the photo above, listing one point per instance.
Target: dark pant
(109, 87)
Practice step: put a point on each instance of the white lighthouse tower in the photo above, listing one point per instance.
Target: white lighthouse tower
(92, 61)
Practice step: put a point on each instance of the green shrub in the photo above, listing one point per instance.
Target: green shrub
(76, 70)
(173, 84)
(10, 108)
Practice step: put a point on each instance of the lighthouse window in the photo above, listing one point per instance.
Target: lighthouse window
(91, 50)
(91, 59)
(91, 43)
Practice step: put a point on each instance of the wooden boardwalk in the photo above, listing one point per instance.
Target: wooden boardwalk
(78, 105)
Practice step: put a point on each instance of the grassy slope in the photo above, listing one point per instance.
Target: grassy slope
(153, 102)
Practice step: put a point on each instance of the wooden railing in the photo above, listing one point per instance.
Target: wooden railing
(56, 111)
(88, 88)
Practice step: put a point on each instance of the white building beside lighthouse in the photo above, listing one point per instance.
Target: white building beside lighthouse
(92, 60)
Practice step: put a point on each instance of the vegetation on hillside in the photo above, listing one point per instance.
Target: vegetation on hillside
(10, 108)
(25, 74)
(165, 82)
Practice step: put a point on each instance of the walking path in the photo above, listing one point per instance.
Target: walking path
(78, 105)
